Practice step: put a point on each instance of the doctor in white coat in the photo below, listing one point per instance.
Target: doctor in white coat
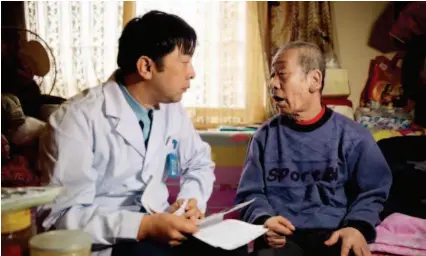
(105, 144)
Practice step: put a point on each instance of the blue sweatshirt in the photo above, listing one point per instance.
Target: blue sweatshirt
(329, 174)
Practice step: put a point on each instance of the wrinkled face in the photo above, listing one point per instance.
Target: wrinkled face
(289, 85)
(173, 80)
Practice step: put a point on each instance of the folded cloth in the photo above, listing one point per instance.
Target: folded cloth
(401, 234)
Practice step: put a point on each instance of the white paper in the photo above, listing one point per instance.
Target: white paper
(230, 234)
(214, 230)
(217, 217)
(211, 220)
(238, 206)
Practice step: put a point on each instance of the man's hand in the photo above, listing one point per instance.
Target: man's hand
(278, 226)
(176, 205)
(166, 227)
(352, 239)
(191, 209)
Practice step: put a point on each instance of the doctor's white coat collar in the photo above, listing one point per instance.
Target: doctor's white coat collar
(127, 126)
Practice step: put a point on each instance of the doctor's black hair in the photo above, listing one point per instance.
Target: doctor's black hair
(155, 34)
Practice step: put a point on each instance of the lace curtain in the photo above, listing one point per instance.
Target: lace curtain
(229, 87)
(219, 59)
(219, 56)
(83, 37)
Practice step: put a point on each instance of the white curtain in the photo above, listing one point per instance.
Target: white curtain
(83, 37)
(219, 58)
(229, 85)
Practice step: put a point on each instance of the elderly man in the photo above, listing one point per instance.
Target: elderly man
(319, 179)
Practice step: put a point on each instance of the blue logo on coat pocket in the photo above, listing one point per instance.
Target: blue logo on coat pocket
(172, 165)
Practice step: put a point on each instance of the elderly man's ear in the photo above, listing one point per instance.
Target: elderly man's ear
(315, 81)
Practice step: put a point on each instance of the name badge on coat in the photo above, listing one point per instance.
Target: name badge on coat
(172, 161)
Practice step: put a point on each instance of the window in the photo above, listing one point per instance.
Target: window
(83, 37)
(229, 84)
(219, 57)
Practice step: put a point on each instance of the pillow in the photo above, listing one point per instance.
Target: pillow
(12, 114)
(28, 132)
(336, 83)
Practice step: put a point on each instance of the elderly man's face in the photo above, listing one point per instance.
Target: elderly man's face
(289, 84)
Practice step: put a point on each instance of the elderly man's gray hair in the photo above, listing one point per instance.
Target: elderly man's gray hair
(310, 57)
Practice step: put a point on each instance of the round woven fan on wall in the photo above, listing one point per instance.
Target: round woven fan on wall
(35, 54)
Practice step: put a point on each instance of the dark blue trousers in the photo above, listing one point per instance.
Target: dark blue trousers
(190, 247)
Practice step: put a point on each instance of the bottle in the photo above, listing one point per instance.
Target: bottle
(16, 231)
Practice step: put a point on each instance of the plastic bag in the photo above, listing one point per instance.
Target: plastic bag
(384, 83)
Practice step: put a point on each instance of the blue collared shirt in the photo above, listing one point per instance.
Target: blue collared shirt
(143, 114)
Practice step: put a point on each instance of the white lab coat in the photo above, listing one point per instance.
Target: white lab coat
(94, 147)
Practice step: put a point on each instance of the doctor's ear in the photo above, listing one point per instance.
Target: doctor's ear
(144, 66)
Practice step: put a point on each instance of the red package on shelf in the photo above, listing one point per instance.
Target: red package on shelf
(384, 83)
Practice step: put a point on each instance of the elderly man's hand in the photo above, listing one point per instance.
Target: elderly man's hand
(278, 227)
(352, 239)
(191, 209)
